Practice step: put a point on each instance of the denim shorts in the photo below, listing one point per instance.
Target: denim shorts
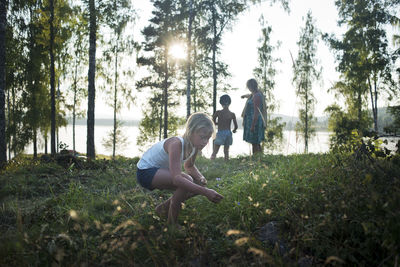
(145, 177)
(224, 138)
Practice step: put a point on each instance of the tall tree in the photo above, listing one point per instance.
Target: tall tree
(265, 74)
(52, 80)
(188, 59)
(90, 148)
(3, 26)
(220, 14)
(164, 30)
(79, 51)
(18, 132)
(364, 48)
(118, 15)
(36, 97)
(305, 74)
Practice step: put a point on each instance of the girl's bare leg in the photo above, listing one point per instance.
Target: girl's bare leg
(171, 207)
(163, 208)
(175, 206)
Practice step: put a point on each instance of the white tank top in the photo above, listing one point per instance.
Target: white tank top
(156, 156)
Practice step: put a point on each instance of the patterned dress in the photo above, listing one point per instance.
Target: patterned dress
(258, 135)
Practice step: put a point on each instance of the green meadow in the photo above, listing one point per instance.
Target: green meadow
(331, 210)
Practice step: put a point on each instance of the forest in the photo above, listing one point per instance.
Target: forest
(56, 54)
(339, 208)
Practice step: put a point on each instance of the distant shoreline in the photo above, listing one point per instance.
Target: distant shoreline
(322, 122)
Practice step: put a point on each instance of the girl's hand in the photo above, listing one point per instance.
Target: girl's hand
(213, 196)
(202, 181)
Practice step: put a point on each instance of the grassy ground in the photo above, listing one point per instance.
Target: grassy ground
(331, 210)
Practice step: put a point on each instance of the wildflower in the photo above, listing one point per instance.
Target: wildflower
(218, 178)
(268, 211)
(256, 205)
(233, 232)
(250, 198)
(241, 241)
(73, 214)
(119, 208)
(257, 252)
(134, 246)
(238, 203)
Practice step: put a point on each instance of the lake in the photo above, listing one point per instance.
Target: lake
(290, 144)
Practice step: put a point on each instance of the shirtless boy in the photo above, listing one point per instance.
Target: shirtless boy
(223, 118)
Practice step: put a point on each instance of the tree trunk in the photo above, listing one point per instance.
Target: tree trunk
(359, 108)
(45, 144)
(74, 104)
(8, 122)
(52, 82)
(3, 25)
(34, 143)
(306, 125)
(194, 80)
(374, 97)
(90, 150)
(189, 63)
(376, 107)
(160, 123)
(214, 67)
(115, 100)
(166, 95)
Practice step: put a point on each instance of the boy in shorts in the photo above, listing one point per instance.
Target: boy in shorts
(223, 118)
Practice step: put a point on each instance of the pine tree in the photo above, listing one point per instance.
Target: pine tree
(305, 73)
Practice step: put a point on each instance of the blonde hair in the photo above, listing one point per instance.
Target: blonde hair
(195, 122)
(252, 85)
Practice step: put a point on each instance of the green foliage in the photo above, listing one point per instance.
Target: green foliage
(342, 205)
(164, 29)
(343, 125)
(116, 139)
(274, 134)
(364, 58)
(394, 127)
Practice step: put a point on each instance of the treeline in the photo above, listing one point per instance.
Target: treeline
(56, 54)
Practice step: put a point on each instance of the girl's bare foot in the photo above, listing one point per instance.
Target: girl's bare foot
(176, 228)
(162, 210)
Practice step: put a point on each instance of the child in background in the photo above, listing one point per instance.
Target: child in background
(161, 166)
(223, 119)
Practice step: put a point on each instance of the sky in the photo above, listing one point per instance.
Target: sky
(239, 52)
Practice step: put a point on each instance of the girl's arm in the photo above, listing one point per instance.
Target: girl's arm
(192, 170)
(174, 150)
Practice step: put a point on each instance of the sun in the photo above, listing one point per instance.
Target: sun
(177, 51)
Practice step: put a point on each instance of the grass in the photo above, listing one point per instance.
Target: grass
(333, 209)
